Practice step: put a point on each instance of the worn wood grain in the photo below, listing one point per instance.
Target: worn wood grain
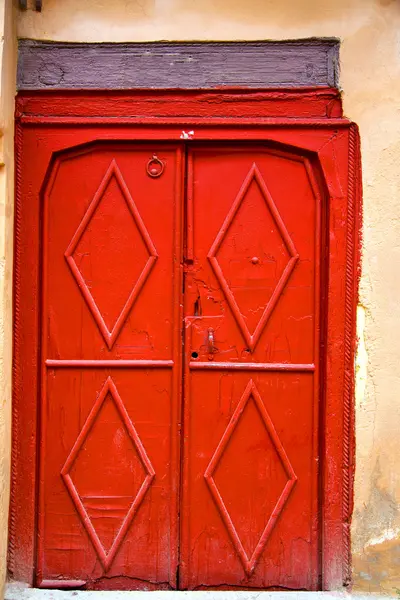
(184, 104)
(55, 65)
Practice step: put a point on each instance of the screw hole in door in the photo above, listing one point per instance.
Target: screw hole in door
(195, 355)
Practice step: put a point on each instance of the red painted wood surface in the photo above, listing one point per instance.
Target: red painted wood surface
(108, 273)
(236, 269)
(252, 435)
(320, 103)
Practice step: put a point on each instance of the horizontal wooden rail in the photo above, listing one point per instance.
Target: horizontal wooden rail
(101, 364)
(185, 65)
(188, 123)
(251, 366)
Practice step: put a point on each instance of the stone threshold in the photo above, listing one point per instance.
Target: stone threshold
(15, 591)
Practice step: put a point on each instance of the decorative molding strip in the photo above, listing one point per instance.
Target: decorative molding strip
(106, 557)
(210, 122)
(231, 366)
(16, 366)
(249, 562)
(253, 175)
(104, 364)
(268, 64)
(352, 277)
(110, 336)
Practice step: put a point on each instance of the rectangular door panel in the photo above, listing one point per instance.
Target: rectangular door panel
(252, 379)
(254, 218)
(108, 254)
(111, 355)
(250, 479)
(107, 485)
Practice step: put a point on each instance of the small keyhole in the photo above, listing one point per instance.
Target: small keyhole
(195, 355)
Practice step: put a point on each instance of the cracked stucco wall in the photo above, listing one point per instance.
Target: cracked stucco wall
(370, 77)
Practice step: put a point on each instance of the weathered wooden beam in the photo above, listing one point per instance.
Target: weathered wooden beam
(59, 65)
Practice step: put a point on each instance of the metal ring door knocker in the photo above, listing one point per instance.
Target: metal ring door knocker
(155, 166)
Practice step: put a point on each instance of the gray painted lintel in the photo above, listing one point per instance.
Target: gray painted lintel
(181, 65)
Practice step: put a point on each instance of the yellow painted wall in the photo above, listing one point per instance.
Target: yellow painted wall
(7, 92)
(370, 78)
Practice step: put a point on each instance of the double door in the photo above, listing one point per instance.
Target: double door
(180, 368)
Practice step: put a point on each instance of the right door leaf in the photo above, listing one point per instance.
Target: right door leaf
(251, 435)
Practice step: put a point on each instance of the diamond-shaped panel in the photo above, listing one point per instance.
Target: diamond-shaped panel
(111, 254)
(287, 479)
(107, 473)
(253, 257)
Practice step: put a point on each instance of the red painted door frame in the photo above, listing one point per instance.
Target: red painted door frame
(307, 121)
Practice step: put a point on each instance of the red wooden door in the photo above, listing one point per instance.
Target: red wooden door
(110, 369)
(111, 385)
(184, 344)
(252, 374)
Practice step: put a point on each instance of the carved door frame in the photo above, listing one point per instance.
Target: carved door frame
(312, 121)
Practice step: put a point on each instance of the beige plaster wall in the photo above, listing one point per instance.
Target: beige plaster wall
(370, 77)
(7, 93)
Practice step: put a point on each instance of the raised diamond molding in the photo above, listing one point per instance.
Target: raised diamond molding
(106, 558)
(249, 562)
(111, 336)
(252, 338)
